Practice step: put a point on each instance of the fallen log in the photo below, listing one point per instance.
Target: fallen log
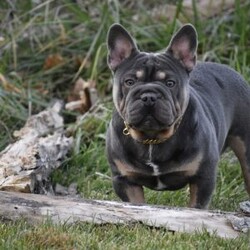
(37, 208)
(41, 146)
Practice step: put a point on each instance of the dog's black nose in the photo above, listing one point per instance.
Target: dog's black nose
(149, 98)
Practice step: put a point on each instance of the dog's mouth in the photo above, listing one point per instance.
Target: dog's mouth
(151, 119)
(153, 124)
(149, 133)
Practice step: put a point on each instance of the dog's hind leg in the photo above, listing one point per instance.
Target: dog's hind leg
(241, 149)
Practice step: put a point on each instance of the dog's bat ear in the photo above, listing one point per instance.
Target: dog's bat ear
(183, 46)
(120, 45)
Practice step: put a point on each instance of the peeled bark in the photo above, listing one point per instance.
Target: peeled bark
(36, 208)
(25, 165)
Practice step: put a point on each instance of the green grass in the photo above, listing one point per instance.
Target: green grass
(77, 32)
(89, 236)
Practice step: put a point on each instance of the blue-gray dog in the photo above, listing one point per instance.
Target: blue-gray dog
(173, 118)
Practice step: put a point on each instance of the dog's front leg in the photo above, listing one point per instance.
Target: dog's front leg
(128, 191)
(201, 190)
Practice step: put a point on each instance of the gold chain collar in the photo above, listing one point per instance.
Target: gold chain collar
(151, 141)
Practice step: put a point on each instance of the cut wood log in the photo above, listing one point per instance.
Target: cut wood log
(37, 208)
(41, 146)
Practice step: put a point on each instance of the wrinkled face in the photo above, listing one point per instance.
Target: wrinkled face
(150, 91)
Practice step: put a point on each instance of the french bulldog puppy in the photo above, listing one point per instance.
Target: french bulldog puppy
(173, 118)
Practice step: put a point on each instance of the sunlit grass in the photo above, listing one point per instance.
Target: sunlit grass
(88, 236)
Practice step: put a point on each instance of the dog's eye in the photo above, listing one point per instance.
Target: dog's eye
(129, 82)
(170, 83)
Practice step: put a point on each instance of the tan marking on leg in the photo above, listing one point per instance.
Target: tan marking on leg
(193, 195)
(192, 167)
(135, 194)
(124, 168)
(187, 169)
(239, 148)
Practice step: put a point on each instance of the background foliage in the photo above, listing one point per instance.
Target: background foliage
(45, 46)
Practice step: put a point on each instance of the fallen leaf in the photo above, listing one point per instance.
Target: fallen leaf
(78, 61)
(53, 61)
(40, 89)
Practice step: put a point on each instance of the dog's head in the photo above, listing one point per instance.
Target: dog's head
(151, 90)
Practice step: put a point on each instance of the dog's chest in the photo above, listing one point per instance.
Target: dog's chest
(154, 170)
(189, 166)
(170, 174)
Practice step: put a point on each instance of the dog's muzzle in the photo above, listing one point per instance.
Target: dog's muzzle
(129, 131)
